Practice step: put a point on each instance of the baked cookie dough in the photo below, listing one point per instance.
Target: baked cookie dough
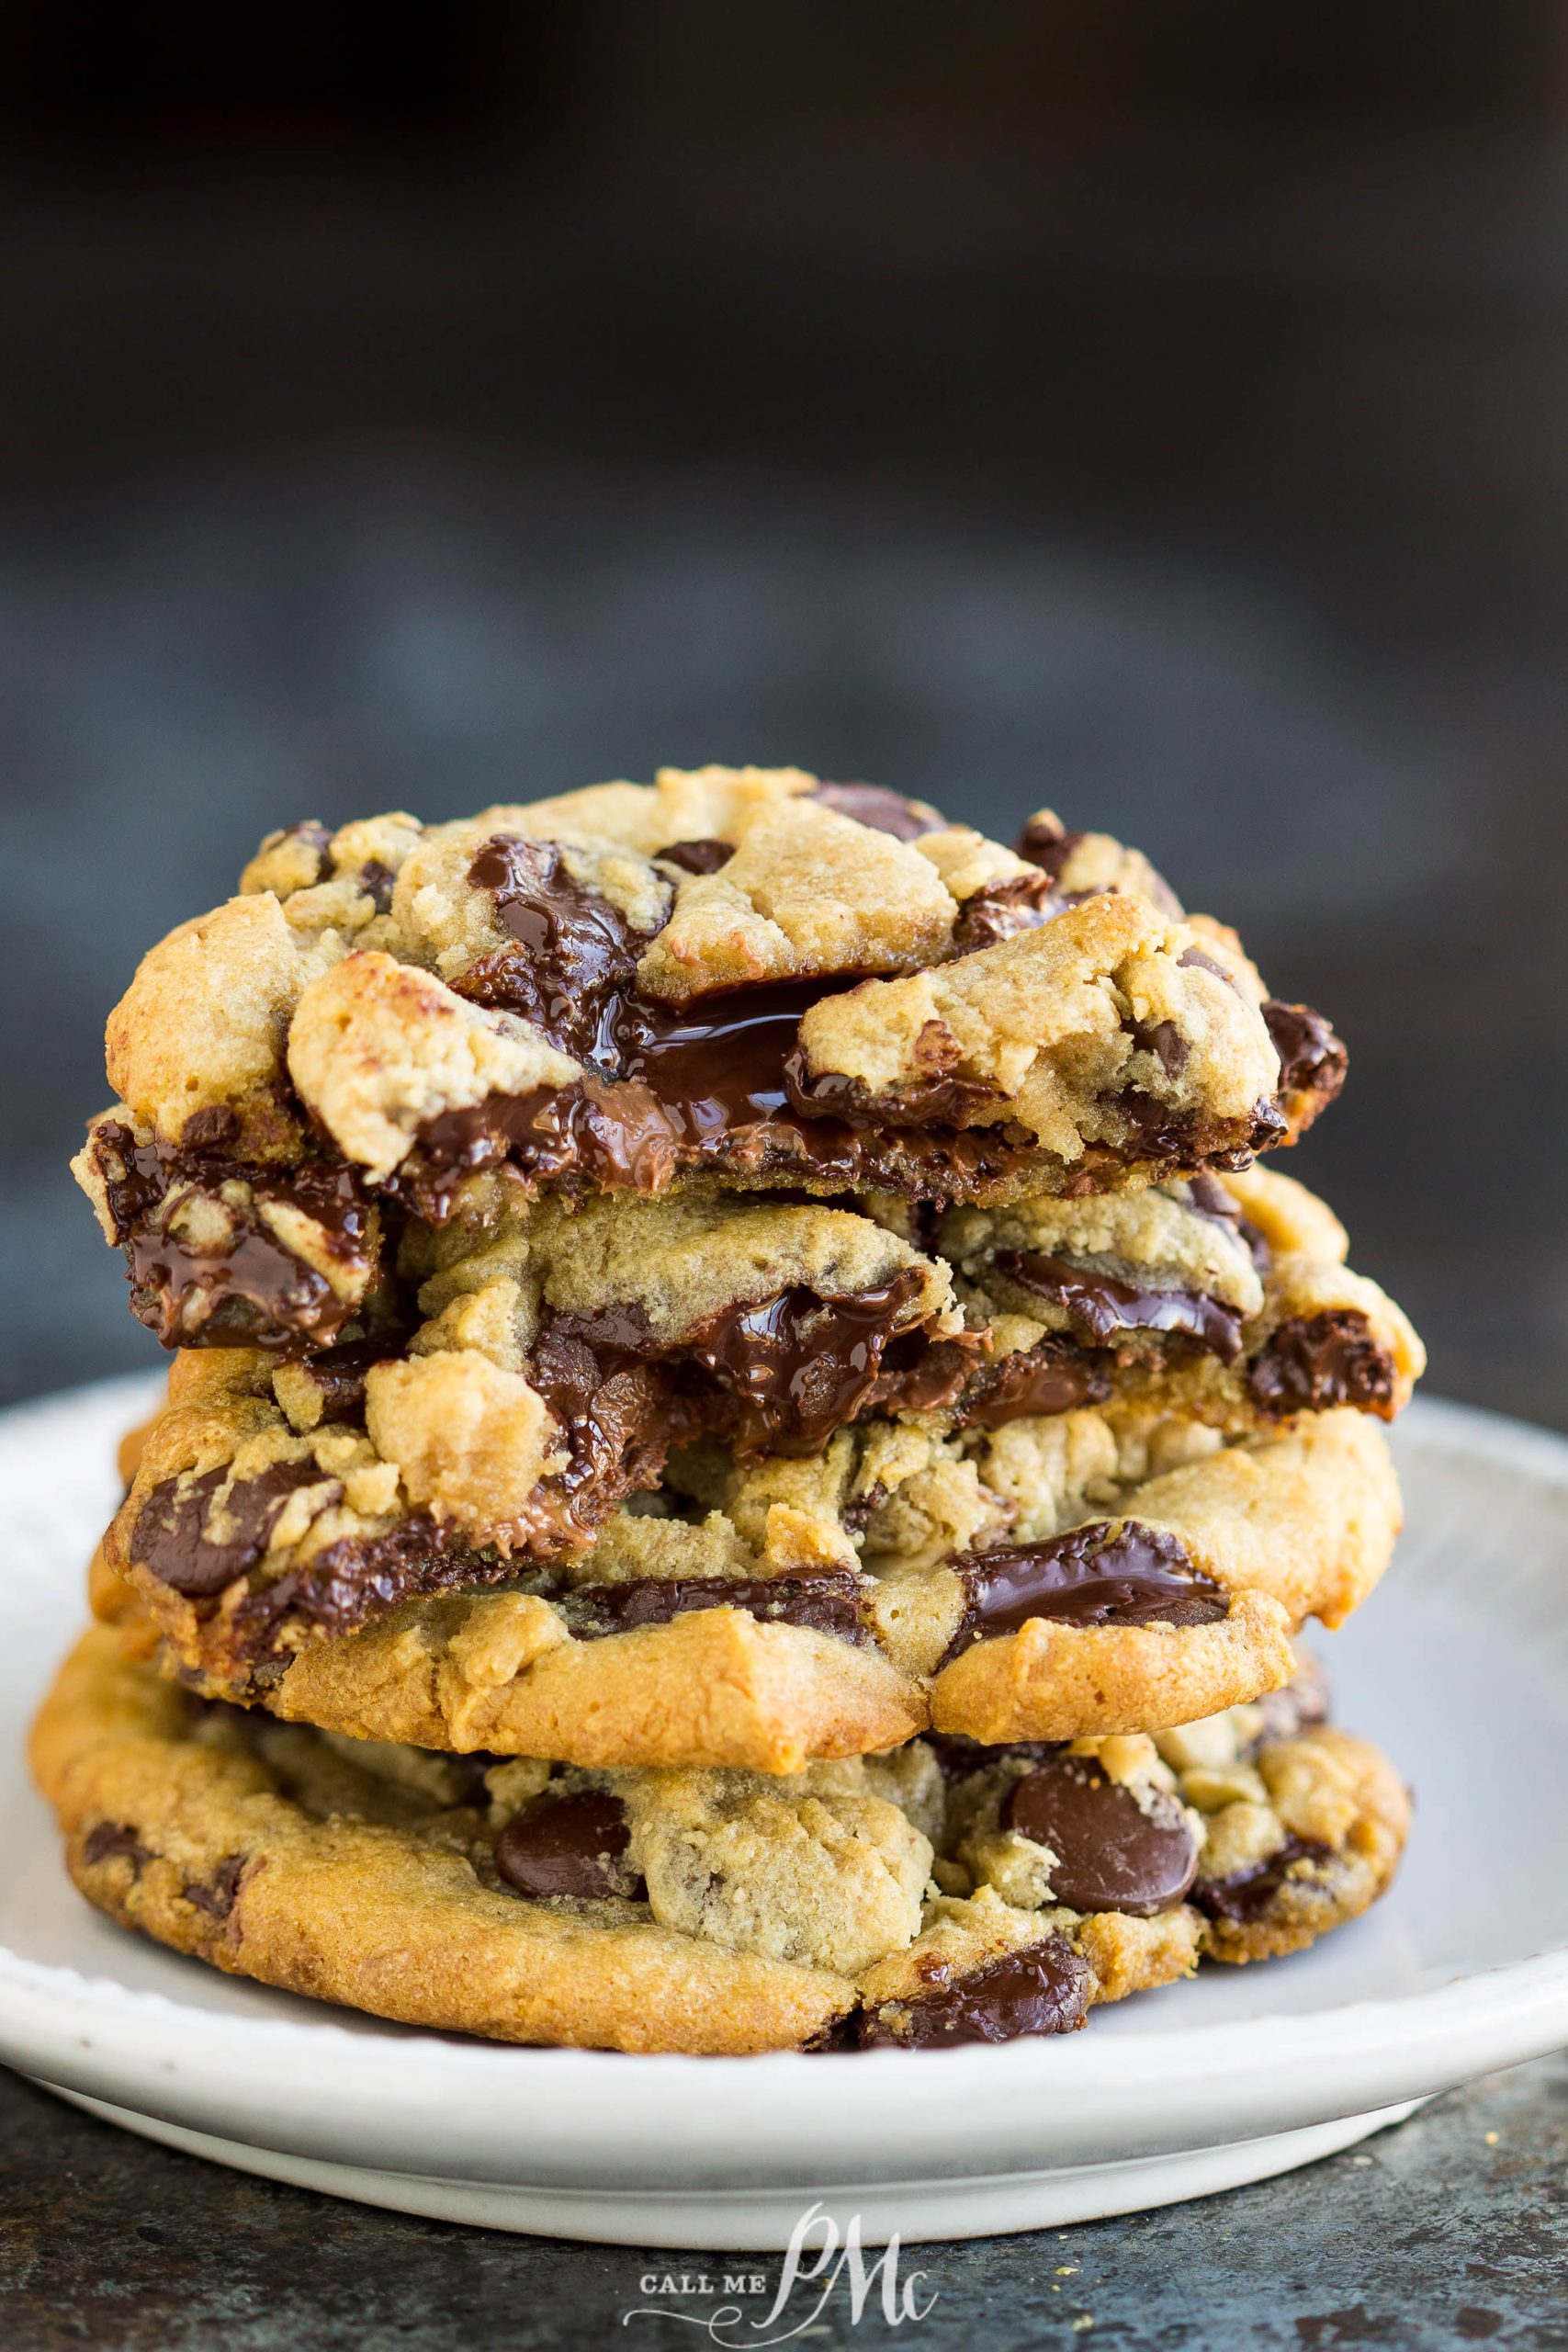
(706, 1912)
(1092, 1573)
(821, 987)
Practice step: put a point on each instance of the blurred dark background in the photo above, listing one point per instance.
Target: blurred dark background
(1158, 412)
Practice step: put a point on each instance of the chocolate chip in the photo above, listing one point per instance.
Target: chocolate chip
(1315, 1362)
(575, 953)
(1165, 1041)
(698, 856)
(1313, 1061)
(1044, 1989)
(1193, 959)
(249, 1290)
(1247, 1894)
(826, 1603)
(801, 1364)
(107, 1838)
(567, 1845)
(1055, 1376)
(1101, 1309)
(217, 1896)
(1112, 1851)
(1048, 845)
(1001, 909)
(169, 1536)
(1303, 1701)
(1106, 1573)
(377, 882)
(884, 811)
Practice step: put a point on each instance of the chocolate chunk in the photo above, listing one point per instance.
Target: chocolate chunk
(884, 811)
(170, 1535)
(1102, 1309)
(1043, 1990)
(1165, 1041)
(1315, 1362)
(699, 856)
(248, 1289)
(958, 1756)
(1193, 959)
(575, 952)
(567, 1845)
(802, 1364)
(616, 1407)
(826, 1603)
(1284, 1715)
(1111, 1853)
(361, 1576)
(377, 882)
(1246, 1894)
(1047, 844)
(1001, 909)
(337, 1375)
(1055, 1376)
(106, 1838)
(1313, 1061)
(1106, 1573)
(1210, 1198)
(217, 1896)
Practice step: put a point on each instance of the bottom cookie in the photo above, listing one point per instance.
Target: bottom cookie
(937, 1894)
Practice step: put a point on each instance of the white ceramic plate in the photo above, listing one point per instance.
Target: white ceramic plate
(1458, 1666)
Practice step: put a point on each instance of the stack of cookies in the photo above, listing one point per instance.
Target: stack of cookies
(747, 1442)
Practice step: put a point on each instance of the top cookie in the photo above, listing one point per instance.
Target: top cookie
(741, 972)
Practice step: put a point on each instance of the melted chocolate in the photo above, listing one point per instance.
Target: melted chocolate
(576, 953)
(1001, 909)
(106, 1838)
(1313, 1061)
(698, 857)
(567, 1845)
(1245, 1896)
(251, 1292)
(1109, 1852)
(1100, 1308)
(1209, 1197)
(707, 1085)
(617, 1411)
(170, 1538)
(1315, 1362)
(1043, 1990)
(1055, 1376)
(338, 1373)
(884, 811)
(826, 1603)
(362, 1576)
(221, 1892)
(1107, 1573)
(800, 1365)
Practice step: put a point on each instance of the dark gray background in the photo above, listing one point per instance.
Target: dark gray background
(1156, 412)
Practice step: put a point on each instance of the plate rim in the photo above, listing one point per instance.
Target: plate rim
(1170, 2087)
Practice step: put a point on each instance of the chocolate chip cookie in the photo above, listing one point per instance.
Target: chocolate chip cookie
(588, 993)
(854, 1905)
(1103, 1571)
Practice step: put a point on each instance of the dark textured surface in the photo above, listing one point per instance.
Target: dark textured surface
(1451, 2230)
